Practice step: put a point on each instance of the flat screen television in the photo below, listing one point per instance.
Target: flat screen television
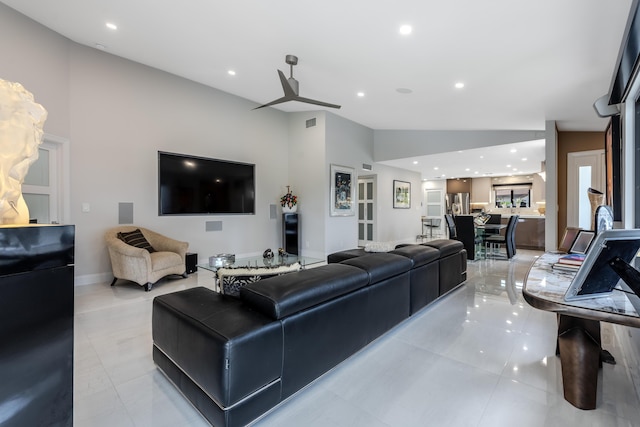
(190, 185)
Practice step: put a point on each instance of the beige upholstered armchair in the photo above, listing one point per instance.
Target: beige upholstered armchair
(135, 262)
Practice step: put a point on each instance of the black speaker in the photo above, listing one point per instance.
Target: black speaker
(291, 233)
(191, 260)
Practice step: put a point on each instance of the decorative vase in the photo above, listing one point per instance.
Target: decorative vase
(287, 209)
(596, 198)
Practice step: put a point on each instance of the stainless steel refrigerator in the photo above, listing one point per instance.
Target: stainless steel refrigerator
(458, 203)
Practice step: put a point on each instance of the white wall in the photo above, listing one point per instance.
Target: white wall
(123, 113)
(39, 60)
(347, 144)
(398, 225)
(551, 186)
(307, 161)
(117, 114)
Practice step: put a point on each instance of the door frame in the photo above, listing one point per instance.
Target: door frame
(374, 222)
(573, 165)
(59, 150)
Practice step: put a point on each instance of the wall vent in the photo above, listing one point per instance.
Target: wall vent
(213, 226)
(367, 167)
(125, 213)
(311, 122)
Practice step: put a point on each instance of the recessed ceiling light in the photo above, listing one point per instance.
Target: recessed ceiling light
(515, 169)
(435, 168)
(513, 150)
(111, 26)
(360, 94)
(231, 72)
(100, 46)
(415, 162)
(476, 172)
(482, 157)
(405, 30)
(459, 85)
(524, 159)
(404, 90)
(467, 169)
(508, 166)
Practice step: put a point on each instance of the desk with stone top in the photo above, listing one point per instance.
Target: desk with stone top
(579, 342)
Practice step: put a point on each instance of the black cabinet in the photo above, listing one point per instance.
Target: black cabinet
(291, 233)
(36, 325)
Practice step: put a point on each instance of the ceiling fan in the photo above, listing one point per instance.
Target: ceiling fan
(290, 87)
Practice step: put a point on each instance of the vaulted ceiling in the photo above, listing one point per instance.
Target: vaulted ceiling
(521, 62)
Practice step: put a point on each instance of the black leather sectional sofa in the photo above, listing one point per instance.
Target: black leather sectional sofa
(236, 358)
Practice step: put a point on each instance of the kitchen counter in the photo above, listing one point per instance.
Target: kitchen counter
(529, 232)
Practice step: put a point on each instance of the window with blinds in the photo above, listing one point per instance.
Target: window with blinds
(512, 195)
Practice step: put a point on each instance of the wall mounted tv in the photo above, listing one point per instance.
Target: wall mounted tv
(189, 185)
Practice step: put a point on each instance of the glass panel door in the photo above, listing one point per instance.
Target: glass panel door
(434, 210)
(366, 210)
(39, 189)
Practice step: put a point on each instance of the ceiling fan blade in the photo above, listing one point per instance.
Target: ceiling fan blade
(290, 88)
(313, 101)
(277, 101)
(286, 87)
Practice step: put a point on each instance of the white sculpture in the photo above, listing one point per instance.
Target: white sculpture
(21, 132)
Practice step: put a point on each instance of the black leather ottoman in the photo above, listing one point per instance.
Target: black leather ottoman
(197, 333)
(389, 290)
(324, 318)
(424, 276)
(453, 263)
(344, 255)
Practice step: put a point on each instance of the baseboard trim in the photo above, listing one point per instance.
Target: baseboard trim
(92, 279)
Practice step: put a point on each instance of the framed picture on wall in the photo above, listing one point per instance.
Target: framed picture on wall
(401, 194)
(343, 197)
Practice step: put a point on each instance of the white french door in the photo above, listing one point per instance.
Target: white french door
(584, 169)
(42, 188)
(434, 210)
(366, 210)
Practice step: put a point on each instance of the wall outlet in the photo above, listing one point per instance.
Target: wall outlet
(86, 207)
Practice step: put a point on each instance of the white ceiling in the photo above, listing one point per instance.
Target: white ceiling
(523, 158)
(522, 62)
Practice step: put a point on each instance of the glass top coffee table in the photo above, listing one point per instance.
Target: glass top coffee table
(260, 262)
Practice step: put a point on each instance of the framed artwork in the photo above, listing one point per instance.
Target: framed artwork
(343, 198)
(583, 242)
(401, 194)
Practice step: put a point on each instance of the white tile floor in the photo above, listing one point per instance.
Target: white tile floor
(479, 357)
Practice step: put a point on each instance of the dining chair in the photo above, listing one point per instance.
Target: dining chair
(508, 240)
(451, 226)
(466, 233)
